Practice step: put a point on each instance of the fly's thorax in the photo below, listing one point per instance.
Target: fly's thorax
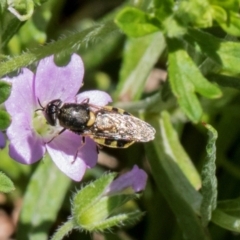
(74, 117)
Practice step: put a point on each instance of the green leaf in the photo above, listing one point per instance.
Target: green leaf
(229, 21)
(136, 23)
(225, 81)
(63, 230)
(5, 120)
(226, 221)
(101, 209)
(5, 90)
(67, 45)
(140, 55)
(226, 4)
(9, 24)
(22, 9)
(183, 199)
(227, 215)
(173, 28)
(44, 197)
(196, 13)
(219, 14)
(123, 219)
(231, 207)
(152, 104)
(99, 52)
(209, 180)
(96, 217)
(170, 25)
(176, 151)
(88, 196)
(186, 80)
(163, 9)
(10, 29)
(225, 54)
(6, 185)
(13, 169)
(3, 7)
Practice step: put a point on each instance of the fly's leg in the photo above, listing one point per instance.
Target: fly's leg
(78, 149)
(86, 100)
(99, 147)
(82, 144)
(59, 133)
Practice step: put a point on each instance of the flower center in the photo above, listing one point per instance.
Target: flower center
(42, 128)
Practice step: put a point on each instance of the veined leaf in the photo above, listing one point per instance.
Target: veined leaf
(227, 215)
(136, 23)
(209, 180)
(224, 53)
(6, 185)
(5, 120)
(186, 80)
(174, 148)
(5, 90)
(44, 196)
(183, 199)
(140, 55)
(229, 21)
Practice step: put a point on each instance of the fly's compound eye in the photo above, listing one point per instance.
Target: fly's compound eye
(52, 110)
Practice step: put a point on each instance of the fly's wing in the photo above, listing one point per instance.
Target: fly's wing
(115, 125)
(115, 128)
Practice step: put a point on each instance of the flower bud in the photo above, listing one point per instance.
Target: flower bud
(98, 206)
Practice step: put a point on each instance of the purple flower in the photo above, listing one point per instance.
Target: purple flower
(29, 133)
(2, 140)
(135, 180)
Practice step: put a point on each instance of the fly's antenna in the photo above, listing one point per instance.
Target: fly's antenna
(40, 109)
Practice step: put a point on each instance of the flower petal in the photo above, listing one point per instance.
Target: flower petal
(96, 97)
(136, 179)
(89, 152)
(63, 150)
(21, 98)
(2, 140)
(53, 82)
(25, 146)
